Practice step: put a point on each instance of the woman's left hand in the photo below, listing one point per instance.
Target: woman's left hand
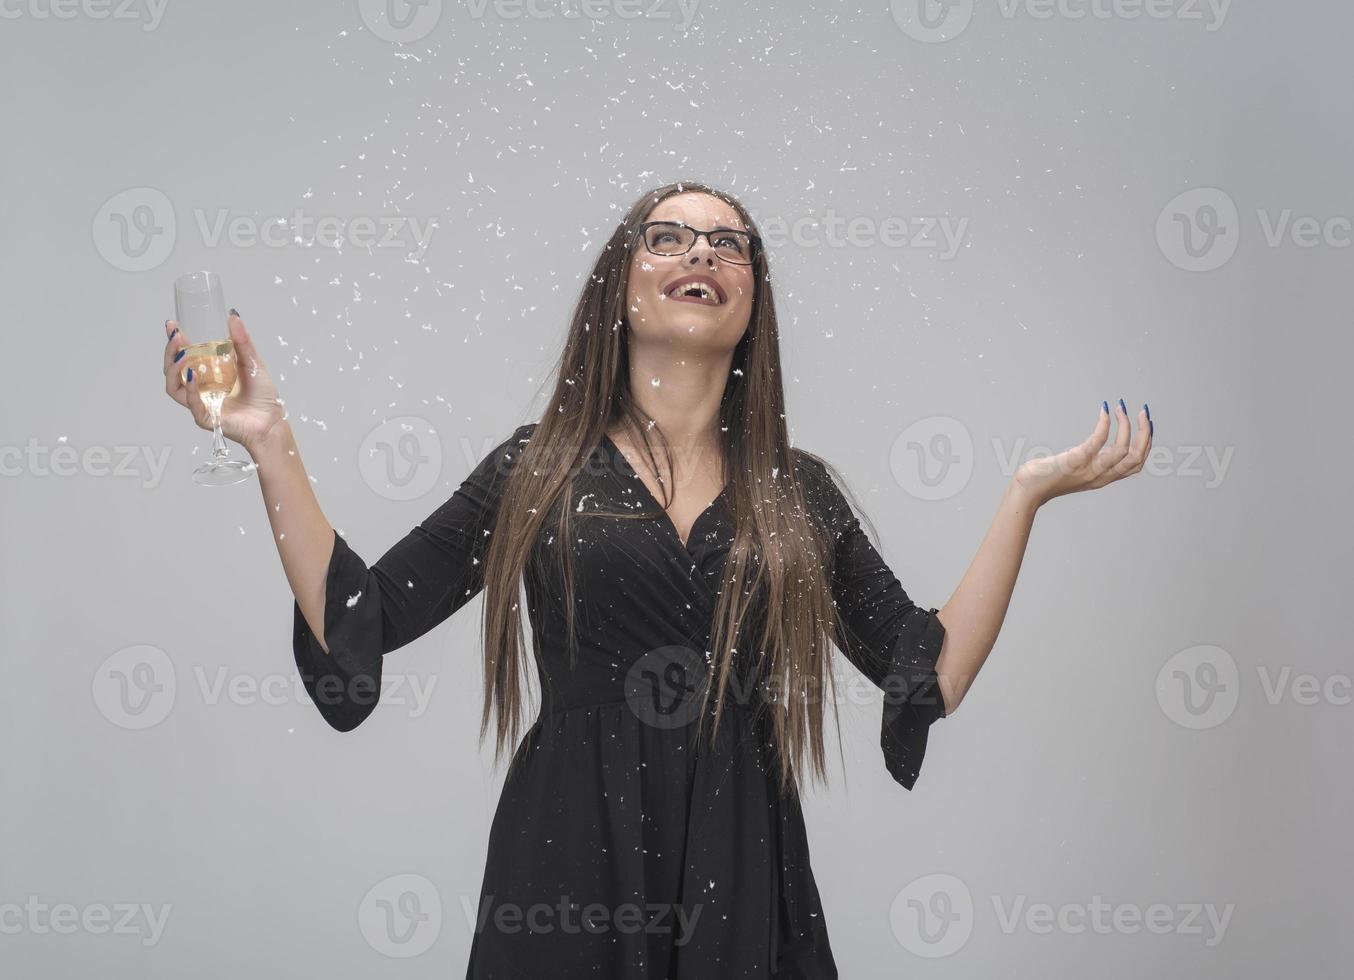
(1092, 464)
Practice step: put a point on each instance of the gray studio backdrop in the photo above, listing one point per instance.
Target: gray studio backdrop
(985, 217)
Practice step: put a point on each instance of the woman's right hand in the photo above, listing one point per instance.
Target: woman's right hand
(250, 413)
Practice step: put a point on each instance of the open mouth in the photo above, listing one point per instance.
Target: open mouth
(696, 289)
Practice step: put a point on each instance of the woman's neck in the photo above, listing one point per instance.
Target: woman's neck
(682, 392)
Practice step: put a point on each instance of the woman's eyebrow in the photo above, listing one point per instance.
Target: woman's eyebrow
(673, 221)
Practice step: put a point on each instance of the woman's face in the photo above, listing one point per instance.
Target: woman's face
(663, 300)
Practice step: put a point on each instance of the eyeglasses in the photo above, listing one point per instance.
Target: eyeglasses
(675, 238)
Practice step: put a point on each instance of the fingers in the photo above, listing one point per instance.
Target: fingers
(193, 400)
(175, 342)
(173, 347)
(1124, 430)
(1096, 440)
(1130, 449)
(1142, 443)
(247, 357)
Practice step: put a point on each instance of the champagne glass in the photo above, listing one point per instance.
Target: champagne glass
(200, 308)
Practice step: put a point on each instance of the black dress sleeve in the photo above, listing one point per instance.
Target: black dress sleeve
(433, 571)
(890, 639)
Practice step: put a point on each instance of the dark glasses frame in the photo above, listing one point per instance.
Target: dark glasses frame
(754, 243)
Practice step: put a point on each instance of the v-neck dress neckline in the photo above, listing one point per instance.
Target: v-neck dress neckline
(665, 517)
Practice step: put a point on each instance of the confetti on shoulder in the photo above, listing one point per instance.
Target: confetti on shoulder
(352, 599)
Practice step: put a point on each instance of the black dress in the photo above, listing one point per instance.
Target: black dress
(622, 846)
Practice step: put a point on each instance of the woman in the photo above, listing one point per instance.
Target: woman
(649, 825)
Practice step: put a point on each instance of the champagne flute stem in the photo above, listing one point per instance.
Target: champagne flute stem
(219, 450)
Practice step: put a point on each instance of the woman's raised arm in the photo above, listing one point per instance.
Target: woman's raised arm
(253, 416)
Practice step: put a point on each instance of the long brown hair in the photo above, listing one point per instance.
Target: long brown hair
(779, 552)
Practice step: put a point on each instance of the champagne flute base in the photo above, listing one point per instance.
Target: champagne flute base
(222, 473)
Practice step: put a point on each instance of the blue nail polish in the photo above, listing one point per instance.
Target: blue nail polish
(234, 311)
(1151, 428)
(1147, 410)
(1105, 407)
(171, 336)
(190, 374)
(1123, 407)
(179, 355)
(166, 324)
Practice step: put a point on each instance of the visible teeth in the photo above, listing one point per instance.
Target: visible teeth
(705, 291)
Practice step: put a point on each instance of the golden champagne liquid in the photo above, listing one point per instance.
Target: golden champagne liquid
(213, 364)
